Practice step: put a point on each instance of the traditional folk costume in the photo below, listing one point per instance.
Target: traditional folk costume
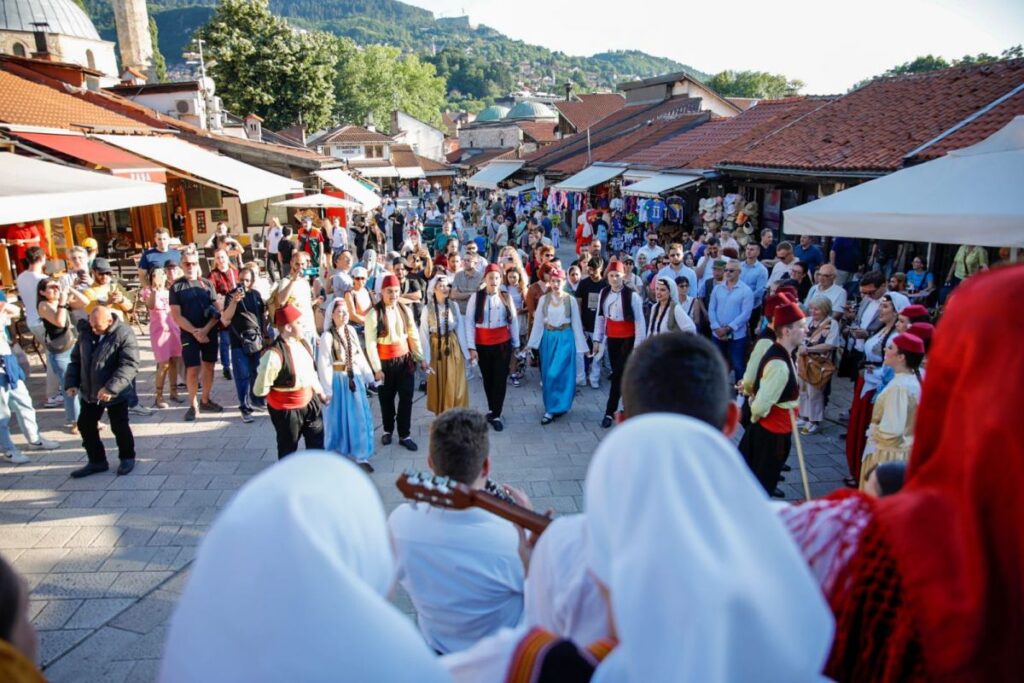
(925, 583)
(620, 321)
(558, 335)
(393, 348)
(764, 340)
(492, 330)
(287, 377)
(864, 388)
(443, 339)
(345, 373)
(670, 318)
(891, 433)
(766, 442)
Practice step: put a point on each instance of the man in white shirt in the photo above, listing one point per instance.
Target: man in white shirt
(827, 287)
(28, 283)
(295, 290)
(652, 250)
(786, 258)
(461, 568)
(273, 234)
(339, 237)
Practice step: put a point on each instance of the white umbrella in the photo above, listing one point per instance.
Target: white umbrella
(969, 196)
(320, 201)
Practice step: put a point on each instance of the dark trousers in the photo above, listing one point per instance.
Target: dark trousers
(273, 267)
(88, 428)
(244, 366)
(298, 423)
(734, 351)
(400, 382)
(618, 352)
(765, 453)
(494, 362)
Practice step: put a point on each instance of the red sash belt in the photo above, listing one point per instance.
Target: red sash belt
(390, 351)
(289, 400)
(777, 420)
(620, 329)
(489, 336)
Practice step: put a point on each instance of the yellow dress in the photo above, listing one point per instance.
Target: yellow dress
(891, 431)
(443, 347)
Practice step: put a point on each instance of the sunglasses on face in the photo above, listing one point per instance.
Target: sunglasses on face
(191, 263)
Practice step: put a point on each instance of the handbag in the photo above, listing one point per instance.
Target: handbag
(63, 340)
(815, 369)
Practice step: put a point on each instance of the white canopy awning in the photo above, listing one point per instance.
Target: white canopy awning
(663, 182)
(352, 187)
(248, 182)
(32, 190)
(410, 172)
(969, 196)
(377, 171)
(520, 189)
(589, 177)
(493, 173)
(320, 201)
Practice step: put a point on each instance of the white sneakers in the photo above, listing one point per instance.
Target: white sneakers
(16, 457)
(55, 401)
(44, 444)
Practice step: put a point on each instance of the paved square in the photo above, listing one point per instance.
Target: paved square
(106, 557)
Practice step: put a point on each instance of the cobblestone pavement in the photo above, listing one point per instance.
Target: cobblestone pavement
(106, 557)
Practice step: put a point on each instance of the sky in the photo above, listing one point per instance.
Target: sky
(828, 45)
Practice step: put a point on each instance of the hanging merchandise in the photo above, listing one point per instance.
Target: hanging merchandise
(656, 211)
(676, 209)
(618, 231)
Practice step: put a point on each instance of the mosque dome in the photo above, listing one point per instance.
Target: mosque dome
(63, 16)
(494, 112)
(532, 111)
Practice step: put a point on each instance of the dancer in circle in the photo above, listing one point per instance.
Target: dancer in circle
(558, 335)
(492, 332)
(443, 340)
(344, 374)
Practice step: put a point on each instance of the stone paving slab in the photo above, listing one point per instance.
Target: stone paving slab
(106, 556)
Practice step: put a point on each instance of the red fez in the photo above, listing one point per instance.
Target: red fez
(915, 312)
(441, 261)
(786, 314)
(790, 290)
(616, 267)
(492, 268)
(390, 280)
(774, 301)
(557, 273)
(910, 343)
(922, 330)
(286, 315)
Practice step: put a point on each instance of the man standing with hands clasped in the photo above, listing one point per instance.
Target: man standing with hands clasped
(103, 364)
(193, 307)
(287, 377)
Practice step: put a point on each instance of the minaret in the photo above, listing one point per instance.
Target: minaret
(133, 36)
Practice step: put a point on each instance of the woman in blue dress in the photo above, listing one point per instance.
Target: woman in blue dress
(344, 374)
(558, 334)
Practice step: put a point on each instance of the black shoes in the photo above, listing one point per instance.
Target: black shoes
(125, 467)
(606, 422)
(786, 468)
(547, 419)
(227, 374)
(777, 493)
(386, 439)
(210, 407)
(365, 467)
(408, 444)
(190, 414)
(92, 468)
(496, 423)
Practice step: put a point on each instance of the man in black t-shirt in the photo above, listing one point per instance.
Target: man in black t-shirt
(194, 307)
(411, 289)
(588, 292)
(285, 248)
(245, 318)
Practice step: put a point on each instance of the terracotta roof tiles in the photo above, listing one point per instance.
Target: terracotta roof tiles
(587, 110)
(977, 129)
(872, 128)
(540, 131)
(353, 134)
(33, 104)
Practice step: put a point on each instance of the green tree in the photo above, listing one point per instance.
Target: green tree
(159, 63)
(378, 79)
(264, 67)
(933, 63)
(759, 84)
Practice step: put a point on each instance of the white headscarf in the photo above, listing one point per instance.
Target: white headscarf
(332, 304)
(899, 300)
(706, 584)
(673, 291)
(290, 585)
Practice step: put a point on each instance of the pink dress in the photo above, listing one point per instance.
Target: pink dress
(164, 334)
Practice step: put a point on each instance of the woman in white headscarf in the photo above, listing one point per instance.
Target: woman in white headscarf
(667, 315)
(443, 341)
(344, 374)
(291, 584)
(704, 581)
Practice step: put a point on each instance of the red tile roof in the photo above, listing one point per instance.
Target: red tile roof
(403, 156)
(872, 128)
(587, 110)
(33, 104)
(541, 131)
(570, 154)
(353, 134)
(977, 129)
(432, 166)
(488, 155)
(708, 144)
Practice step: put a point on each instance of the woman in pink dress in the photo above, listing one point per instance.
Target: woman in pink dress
(164, 335)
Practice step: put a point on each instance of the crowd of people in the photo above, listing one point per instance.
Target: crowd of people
(680, 567)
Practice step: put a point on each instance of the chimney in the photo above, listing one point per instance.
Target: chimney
(370, 126)
(42, 50)
(568, 91)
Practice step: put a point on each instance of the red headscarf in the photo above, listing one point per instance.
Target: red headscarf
(954, 535)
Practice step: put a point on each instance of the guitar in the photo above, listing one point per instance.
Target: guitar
(447, 493)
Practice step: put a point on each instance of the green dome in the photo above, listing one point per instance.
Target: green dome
(532, 111)
(492, 113)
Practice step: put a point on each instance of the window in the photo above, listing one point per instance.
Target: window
(19, 50)
(374, 151)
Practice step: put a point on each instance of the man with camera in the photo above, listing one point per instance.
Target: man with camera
(224, 278)
(295, 289)
(194, 307)
(159, 256)
(244, 321)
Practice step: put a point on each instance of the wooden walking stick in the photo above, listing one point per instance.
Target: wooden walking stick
(800, 454)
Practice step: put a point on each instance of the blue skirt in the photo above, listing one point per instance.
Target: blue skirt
(558, 369)
(348, 422)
